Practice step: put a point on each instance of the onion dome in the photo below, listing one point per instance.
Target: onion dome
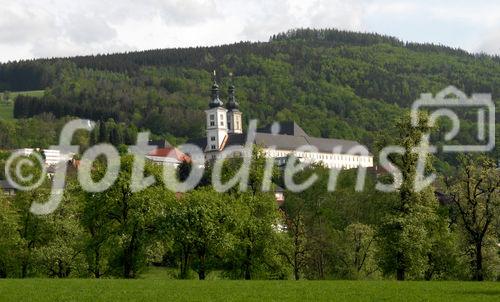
(215, 100)
(232, 103)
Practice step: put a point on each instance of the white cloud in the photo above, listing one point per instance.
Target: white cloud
(396, 8)
(490, 43)
(19, 24)
(88, 29)
(56, 27)
(64, 47)
(187, 12)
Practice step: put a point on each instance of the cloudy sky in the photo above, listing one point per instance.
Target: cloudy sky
(50, 28)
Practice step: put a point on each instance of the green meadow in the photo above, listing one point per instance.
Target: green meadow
(6, 111)
(7, 105)
(221, 290)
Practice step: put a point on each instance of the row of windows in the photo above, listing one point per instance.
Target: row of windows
(282, 161)
(212, 117)
(212, 121)
(337, 165)
(327, 156)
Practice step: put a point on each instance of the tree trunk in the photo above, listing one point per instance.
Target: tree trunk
(400, 270)
(296, 273)
(478, 273)
(97, 272)
(127, 265)
(248, 264)
(321, 265)
(184, 263)
(60, 269)
(296, 253)
(128, 259)
(201, 271)
(24, 269)
(400, 274)
(3, 273)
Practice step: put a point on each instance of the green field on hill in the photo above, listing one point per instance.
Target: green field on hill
(7, 105)
(6, 111)
(191, 290)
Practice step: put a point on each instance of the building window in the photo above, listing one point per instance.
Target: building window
(212, 117)
(213, 147)
(222, 123)
(228, 125)
(237, 124)
(212, 138)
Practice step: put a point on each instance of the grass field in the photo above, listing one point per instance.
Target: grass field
(13, 94)
(191, 290)
(6, 111)
(7, 106)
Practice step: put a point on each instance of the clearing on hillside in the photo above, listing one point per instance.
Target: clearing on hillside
(7, 102)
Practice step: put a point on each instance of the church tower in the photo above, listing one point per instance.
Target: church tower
(234, 124)
(216, 121)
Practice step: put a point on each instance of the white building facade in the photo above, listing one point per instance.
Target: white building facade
(225, 128)
(51, 156)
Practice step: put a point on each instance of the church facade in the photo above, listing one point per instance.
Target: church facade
(224, 128)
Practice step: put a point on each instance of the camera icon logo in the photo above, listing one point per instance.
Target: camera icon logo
(449, 98)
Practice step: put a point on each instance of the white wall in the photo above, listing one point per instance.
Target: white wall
(52, 156)
(330, 160)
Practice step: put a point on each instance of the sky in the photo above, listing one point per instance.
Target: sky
(54, 28)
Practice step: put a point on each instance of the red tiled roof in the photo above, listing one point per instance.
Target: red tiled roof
(170, 152)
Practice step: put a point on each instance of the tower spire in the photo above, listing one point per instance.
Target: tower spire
(215, 100)
(234, 124)
(216, 120)
(232, 103)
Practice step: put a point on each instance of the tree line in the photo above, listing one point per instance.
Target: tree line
(316, 234)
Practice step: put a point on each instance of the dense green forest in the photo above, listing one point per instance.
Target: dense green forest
(333, 83)
(316, 234)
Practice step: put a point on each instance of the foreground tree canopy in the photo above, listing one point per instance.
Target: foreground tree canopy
(317, 234)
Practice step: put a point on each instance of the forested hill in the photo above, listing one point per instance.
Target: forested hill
(333, 83)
